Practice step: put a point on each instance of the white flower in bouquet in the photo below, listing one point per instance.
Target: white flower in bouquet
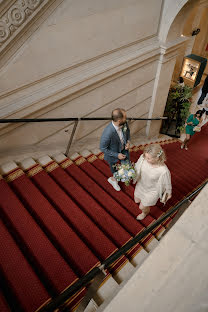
(121, 171)
(130, 173)
(125, 172)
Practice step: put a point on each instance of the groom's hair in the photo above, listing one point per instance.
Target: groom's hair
(117, 114)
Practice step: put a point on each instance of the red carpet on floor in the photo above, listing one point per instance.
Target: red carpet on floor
(34, 242)
(60, 221)
(63, 237)
(121, 197)
(27, 288)
(89, 205)
(3, 304)
(73, 189)
(87, 230)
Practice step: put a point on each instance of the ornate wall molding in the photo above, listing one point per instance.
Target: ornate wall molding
(17, 19)
(15, 16)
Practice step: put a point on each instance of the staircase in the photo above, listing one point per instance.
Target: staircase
(60, 218)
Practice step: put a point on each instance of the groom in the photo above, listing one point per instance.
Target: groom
(115, 143)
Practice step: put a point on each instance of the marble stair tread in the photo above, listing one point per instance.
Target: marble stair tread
(59, 157)
(27, 163)
(96, 151)
(152, 245)
(91, 307)
(74, 156)
(105, 290)
(8, 167)
(44, 160)
(124, 273)
(85, 153)
(139, 258)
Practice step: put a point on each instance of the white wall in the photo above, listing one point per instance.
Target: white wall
(86, 59)
(78, 31)
(131, 91)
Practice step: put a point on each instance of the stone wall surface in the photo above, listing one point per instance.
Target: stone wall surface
(76, 32)
(85, 58)
(132, 91)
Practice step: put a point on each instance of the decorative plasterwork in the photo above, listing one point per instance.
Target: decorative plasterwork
(15, 15)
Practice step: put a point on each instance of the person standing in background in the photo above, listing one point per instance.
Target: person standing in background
(204, 91)
(193, 121)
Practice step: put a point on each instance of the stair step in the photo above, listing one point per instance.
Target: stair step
(57, 230)
(125, 198)
(65, 162)
(25, 286)
(112, 206)
(35, 244)
(91, 307)
(71, 213)
(105, 290)
(96, 212)
(72, 220)
(98, 242)
(138, 257)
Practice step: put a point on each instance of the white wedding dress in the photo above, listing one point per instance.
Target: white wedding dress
(152, 182)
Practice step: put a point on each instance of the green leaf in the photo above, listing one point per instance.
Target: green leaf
(178, 101)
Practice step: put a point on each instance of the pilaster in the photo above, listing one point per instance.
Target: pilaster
(162, 83)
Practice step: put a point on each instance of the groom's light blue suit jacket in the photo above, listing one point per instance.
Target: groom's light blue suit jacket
(110, 143)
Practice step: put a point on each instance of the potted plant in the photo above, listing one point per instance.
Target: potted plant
(177, 109)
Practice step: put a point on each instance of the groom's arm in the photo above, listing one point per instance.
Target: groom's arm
(105, 144)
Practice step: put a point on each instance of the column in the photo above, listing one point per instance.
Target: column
(162, 83)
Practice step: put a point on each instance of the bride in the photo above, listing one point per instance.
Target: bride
(153, 179)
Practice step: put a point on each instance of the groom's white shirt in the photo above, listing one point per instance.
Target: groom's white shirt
(120, 133)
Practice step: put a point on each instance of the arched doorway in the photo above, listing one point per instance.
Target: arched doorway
(174, 45)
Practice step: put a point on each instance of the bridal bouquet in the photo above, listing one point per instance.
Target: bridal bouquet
(125, 172)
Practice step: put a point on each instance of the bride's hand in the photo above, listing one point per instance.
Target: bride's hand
(134, 181)
(168, 197)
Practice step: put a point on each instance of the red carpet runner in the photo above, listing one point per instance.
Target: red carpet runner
(60, 221)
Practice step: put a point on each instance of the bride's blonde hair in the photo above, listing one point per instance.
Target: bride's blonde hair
(156, 151)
